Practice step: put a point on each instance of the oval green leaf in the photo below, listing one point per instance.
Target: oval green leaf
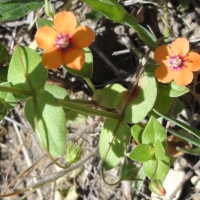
(75, 117)
(40, 22)
(160, 151)
(26, 70)
(157, 168)
(47, 119)
(108, 94)
(3, 74)
(7, 100)
(142, 153)
(178, 106)
(112, 151)
(163, 100)
(4, 55)
(136, 132)
(176, 90)
(153, 131)
(120, 101)
(56, 91)
(138, 109)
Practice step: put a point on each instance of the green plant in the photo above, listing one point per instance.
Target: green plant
(47, 105)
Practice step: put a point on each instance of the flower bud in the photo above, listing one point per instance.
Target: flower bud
(49, 9)
(157, 187)
(73, 153)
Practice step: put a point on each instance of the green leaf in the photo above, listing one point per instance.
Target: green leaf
(116, 12)
(3, 109)
(7, 100)
(94, 15)
(3, 74)
(178, 106)
(75, 117)
(142, 153)
(11, 10)
(150, 67)
(163, 100)
(195, 151)
(160, 151)
(48, 121)
(185, 136)
(138, 184)
(112, 10)
(56, 91)
(87, 69)
(138, 109)
(112, 151)
(176, 90)
(110, 2)
(40, 22)
(136, 132)
(120, 101)
(49, 9)
(157, 168)
(4, 55)
(180, 124)
(108, 94)
(24, 67)
(146, 36)
(184, 5)
(153, 131)
(3, 95)
(129, 171)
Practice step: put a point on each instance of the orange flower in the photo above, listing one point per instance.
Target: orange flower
(176, 63)
(64, 43)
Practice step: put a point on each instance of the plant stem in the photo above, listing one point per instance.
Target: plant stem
(16, 91)
(87, 110)
(95, 97)
(166, 20)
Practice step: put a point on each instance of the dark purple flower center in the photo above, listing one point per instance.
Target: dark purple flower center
(175, 62)
(62, 41)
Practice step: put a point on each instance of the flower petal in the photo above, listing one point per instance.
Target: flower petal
(180, 46)
(82, 37)
(164, 74)
(74, 58)
(52, 58)
(183, 77)
(193, 61)
(65, 22)
(45, 37)
(161, 53)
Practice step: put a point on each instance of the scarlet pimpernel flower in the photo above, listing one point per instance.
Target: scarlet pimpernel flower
(64, 42)
(176, 62)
